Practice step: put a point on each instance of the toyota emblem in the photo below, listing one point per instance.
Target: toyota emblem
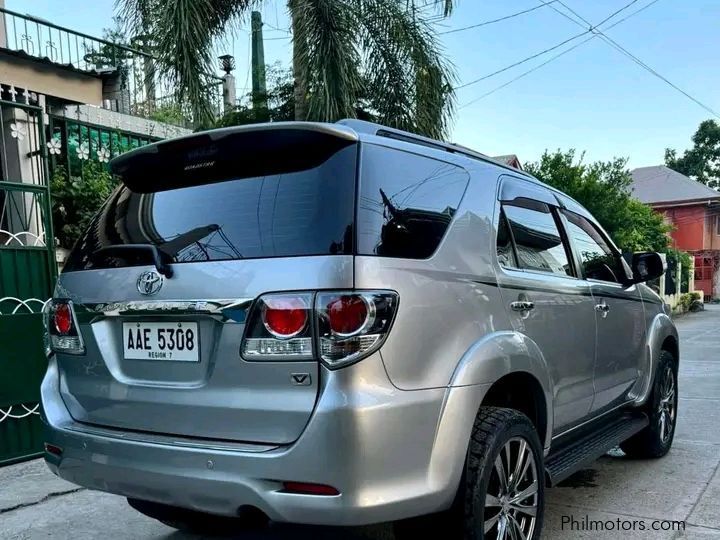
(149, 283)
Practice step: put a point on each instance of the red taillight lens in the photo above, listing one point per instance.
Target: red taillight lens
(352, 324)
(347, 314)
(62, 319)
(61, 330)
(284, 317)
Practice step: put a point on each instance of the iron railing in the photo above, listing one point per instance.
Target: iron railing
(133, 82)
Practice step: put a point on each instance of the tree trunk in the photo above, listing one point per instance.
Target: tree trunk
(301, 109)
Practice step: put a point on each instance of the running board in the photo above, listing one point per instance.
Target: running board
(575, 455)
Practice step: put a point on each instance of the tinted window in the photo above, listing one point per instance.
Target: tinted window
(537, 238)
(598, 260)
(505, 253)
(406, 202)
(306, 212)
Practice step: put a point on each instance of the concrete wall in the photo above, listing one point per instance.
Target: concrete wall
(44, 78)
(120, 121)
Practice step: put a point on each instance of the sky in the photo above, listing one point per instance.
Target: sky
(593, 98)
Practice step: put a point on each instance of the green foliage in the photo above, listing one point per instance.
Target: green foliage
(686, 301)
(702, 161)
(76, 199)
(280, 98)
(604, 189)
(351, 56)
(170, 113)
(676, 257)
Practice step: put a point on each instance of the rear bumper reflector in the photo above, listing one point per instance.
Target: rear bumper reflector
(304, 488)
(54, 450)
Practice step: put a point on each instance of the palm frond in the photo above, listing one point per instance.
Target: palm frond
(325, 42)
(183, 34)
(409, 82)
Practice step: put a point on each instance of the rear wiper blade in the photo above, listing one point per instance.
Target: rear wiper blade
(119, 250)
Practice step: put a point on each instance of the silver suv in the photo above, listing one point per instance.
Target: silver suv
(346, 324)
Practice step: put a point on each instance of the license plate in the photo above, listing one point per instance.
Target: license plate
(173, 341)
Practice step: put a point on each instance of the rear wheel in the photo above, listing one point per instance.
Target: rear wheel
(198, 522)
(504, 483)
(656, 439)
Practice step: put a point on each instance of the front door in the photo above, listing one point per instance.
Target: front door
(619, 312)
(544, 297)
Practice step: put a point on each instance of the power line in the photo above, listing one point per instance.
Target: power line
(557, 46)
(528, 72)
(265, 23)
(492, 21)
(562, 53)
(630, 55)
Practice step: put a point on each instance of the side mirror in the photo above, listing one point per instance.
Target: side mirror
(646, 266)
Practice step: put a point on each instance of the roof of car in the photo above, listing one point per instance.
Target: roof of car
(660, 184)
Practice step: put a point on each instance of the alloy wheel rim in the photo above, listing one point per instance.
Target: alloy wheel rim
(668, 405)
(511, 503)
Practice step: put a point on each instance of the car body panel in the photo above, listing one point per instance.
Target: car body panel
(221, 397)
(389, 432)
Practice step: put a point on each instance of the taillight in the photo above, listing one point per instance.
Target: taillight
(339, 327)
(279, 328)
(62, 328)
(348, 314)
(351, 325)
(284, 316)
(62, 319)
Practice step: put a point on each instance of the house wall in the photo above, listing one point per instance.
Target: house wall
(690, 227)
(43, 78)
(712, 239)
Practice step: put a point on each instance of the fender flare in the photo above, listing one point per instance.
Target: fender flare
(502, 353)
(659, 330)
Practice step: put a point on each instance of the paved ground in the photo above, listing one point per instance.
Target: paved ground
(683, 486)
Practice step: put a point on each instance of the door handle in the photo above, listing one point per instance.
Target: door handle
(522, 305)
(603, 309)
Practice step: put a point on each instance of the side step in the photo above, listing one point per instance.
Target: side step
(578, 453)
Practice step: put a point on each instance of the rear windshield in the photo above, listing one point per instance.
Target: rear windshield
(283, 213)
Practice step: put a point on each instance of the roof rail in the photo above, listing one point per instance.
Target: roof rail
(362, 126)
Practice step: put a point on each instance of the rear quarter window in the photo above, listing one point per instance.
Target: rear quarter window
(406, 202)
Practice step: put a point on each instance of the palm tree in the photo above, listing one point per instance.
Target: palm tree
(378, 51)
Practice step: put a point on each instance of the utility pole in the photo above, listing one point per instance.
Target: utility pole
(259, 83)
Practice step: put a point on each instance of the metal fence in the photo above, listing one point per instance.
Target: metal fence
(27, 273)
(133, 83)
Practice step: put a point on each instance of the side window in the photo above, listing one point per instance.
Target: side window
(598, 259)
(505, 253)
(537, 237)
(406, 202)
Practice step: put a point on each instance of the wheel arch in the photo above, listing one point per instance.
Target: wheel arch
(501, 359)
(662, 336)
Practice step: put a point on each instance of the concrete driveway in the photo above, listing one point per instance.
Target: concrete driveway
(684, 486)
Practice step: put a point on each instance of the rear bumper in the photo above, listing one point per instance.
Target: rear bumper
(392, 454)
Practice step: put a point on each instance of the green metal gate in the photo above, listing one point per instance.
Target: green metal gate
(27, 270)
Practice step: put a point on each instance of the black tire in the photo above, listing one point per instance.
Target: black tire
(496, 430)
(656, 439)
(183, 519)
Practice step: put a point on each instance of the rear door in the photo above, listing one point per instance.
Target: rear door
(618, 308)
(234, 216)
(544, 297)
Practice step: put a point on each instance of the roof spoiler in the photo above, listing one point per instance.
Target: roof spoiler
(230, 153)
